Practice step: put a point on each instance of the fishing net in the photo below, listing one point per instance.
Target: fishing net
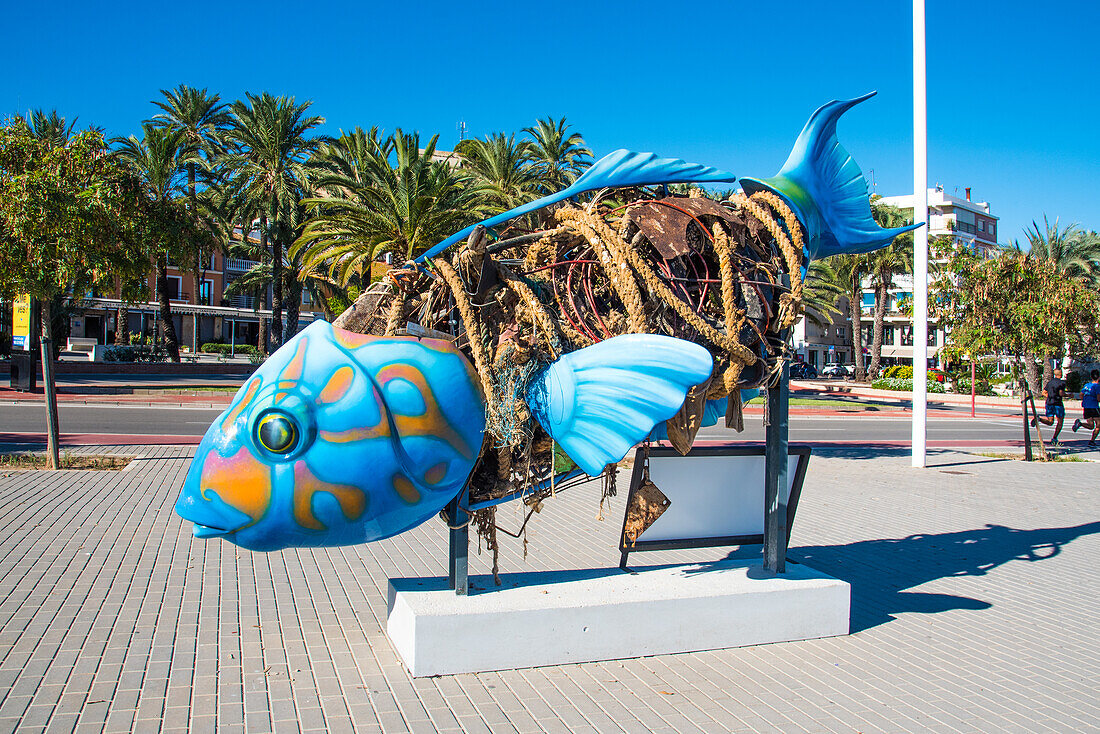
(726, 275)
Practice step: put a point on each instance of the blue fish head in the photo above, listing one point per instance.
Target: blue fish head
(338, 438)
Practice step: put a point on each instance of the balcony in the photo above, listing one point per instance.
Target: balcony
(234, 265)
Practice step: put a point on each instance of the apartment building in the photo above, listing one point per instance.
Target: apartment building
(216, 316)
(966, 222)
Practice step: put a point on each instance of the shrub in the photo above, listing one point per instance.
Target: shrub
(900, 383)
(962, 386)
(134, 353)
(902, 371)
(226, 350)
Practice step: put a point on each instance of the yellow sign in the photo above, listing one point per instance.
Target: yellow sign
(21, 322)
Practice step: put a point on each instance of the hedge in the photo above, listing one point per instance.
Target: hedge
(215, 348)
(898, 383)
(902, 371)
(134, 353)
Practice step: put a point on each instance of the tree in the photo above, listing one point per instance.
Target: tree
(1011, 304)
(850, 271)
(557, 155)
(822, 288)
(66, 225)
(269, 158)
(159, 160)
(1072, 252)
(506, 170)
(383, 195)
(200, 117)
(884, 264)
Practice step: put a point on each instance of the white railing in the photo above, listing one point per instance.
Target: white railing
(232, 263)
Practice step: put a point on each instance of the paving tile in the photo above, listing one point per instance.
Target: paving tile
(973, 609)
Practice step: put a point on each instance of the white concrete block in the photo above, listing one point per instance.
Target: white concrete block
(551, 618)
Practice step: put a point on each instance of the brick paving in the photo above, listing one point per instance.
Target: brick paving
(973, 609)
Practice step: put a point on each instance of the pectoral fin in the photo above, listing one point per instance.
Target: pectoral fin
(600, 401)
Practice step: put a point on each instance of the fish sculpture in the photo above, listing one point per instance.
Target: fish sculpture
(342, 438)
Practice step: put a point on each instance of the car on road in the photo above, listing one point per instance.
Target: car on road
(803, 371)
(833, 369)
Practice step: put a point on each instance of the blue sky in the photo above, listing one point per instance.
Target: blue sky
(1013, 108)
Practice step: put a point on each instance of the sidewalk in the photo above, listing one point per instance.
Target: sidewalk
(973, 609)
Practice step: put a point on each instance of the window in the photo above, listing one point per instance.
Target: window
(175, 287)
(887, 334)
(204, 291)
(306, 299)
(981, 225)
(813, 357)
(840, 332)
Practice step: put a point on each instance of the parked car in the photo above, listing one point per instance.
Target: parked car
(803, 371)
(937, 375)
(834, 369)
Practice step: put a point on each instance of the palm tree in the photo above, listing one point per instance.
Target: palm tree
(1075, 253)
(383, 195)
(505, 168)
(895, 259)
(49, 126)
(821, 290)
(269, 158)
(850, 271)
(159, 159)
(558, 156)
(201, 117)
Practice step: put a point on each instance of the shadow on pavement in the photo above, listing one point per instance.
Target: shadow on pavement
(880, 570)
(872, 450)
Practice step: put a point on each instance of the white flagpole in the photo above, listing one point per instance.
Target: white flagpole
(920, 239)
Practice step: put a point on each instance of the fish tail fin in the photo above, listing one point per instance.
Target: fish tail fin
(599, 401)
(825, 187)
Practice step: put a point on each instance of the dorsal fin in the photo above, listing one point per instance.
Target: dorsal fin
(620, 168)
(826, 189)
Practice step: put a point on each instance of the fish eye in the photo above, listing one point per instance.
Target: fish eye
(277, 433)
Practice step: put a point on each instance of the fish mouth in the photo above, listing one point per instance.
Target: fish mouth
(211, 516)
(206, 531)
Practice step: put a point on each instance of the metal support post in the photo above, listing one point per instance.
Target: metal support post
(458, 546)
(1027, 429)
(775, 475)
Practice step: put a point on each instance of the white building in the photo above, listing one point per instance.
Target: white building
(965, 222)
(821, 345)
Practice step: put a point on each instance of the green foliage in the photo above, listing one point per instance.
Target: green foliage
(823, 287)
(906, 385)
(226, 349)
(383, 195)
(962, 386)
(558, 156)
(1012, 304)
(134, 353)
(70, 215)
(903, 371)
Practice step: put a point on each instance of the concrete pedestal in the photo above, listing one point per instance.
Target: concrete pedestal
(551, 618)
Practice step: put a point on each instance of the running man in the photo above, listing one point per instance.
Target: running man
(1090, 406)
(1055, 408)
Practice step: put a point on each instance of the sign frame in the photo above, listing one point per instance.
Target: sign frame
(802, 451)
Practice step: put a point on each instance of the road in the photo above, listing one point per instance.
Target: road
(956, 425)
